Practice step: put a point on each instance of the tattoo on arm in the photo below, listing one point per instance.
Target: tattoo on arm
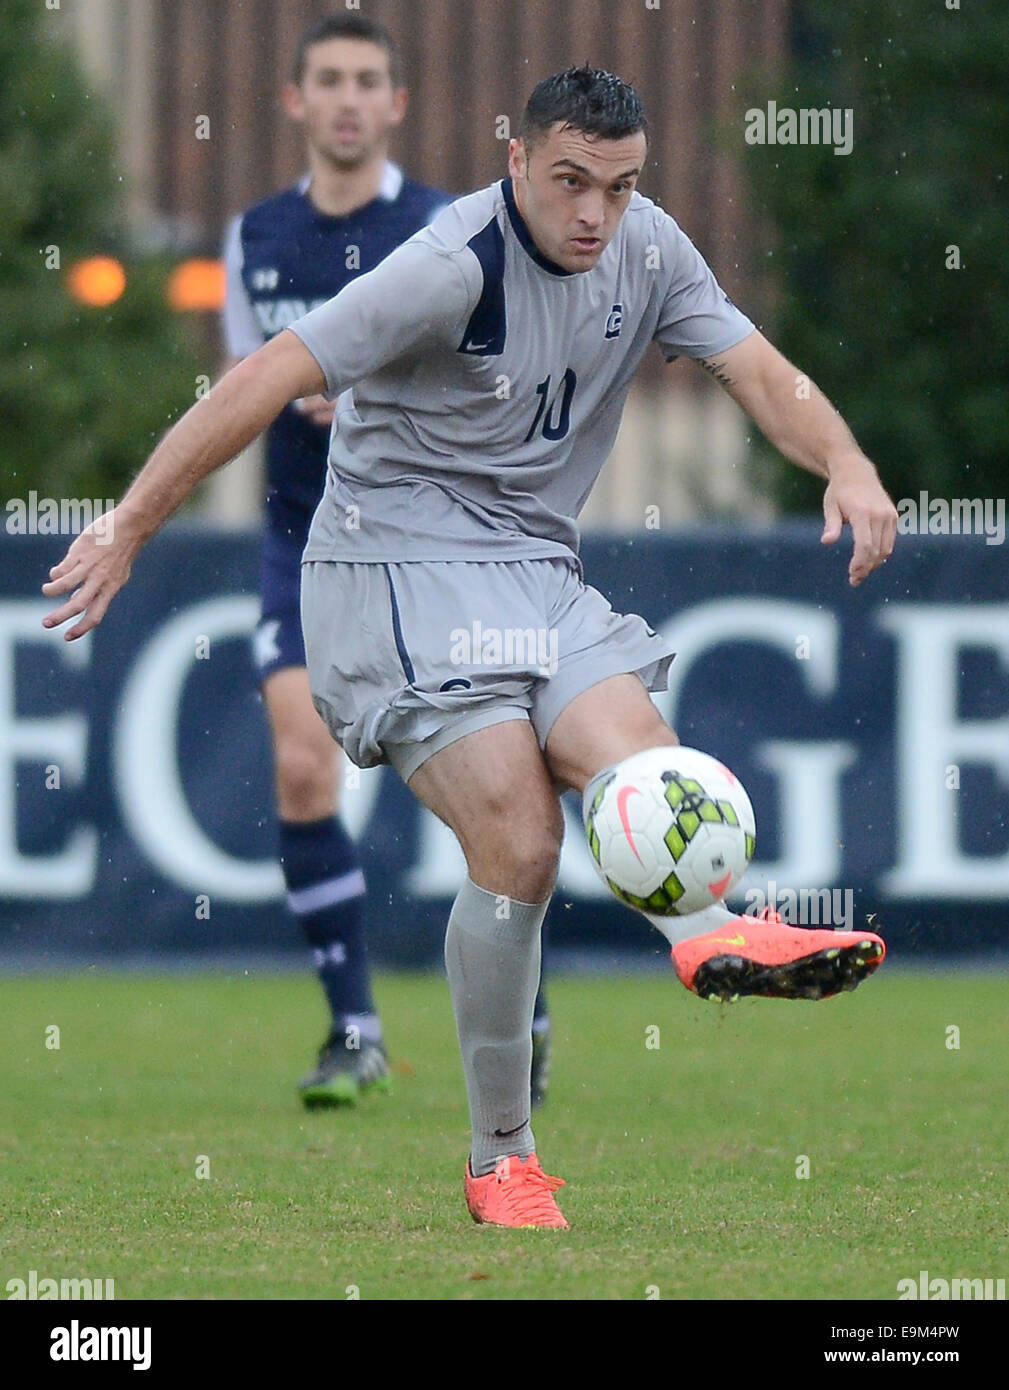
(717, 370)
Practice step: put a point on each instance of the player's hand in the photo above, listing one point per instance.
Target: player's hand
(856, 496)
(92, 572)
(316, 409)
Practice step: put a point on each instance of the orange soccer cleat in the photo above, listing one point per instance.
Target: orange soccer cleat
(765, 956)
(517, 1193)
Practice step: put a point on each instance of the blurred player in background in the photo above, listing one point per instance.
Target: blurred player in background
(285, 255)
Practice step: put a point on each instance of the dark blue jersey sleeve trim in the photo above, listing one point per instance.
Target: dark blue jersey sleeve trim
(525, 236)
(487, 328)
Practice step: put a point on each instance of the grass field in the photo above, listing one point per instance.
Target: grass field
(681, 1160)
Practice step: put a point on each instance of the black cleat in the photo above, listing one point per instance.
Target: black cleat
(344, 1073)
(540, 1074)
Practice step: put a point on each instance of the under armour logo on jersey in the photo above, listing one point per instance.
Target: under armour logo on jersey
(265, 279)
(264, 643)
(615, 321)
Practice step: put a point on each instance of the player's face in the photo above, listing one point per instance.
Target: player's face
(572, 189)
(346, 100)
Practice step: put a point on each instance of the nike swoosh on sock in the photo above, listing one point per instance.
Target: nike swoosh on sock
(507, 1133)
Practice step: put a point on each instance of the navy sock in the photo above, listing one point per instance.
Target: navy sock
(541, 1016)
(325, 891)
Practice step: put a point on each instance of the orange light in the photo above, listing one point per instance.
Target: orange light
(196, 284)
(97, 281)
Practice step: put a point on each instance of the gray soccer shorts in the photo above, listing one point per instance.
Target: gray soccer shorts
(404, 659)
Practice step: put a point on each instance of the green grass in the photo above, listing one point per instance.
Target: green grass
(680, 1161)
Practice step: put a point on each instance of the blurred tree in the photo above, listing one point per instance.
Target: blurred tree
(868, 302)
(84, 392)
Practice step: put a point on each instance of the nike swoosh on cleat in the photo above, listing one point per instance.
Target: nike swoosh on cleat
(729, 940)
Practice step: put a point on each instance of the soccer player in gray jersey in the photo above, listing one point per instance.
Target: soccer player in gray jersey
(480, 373)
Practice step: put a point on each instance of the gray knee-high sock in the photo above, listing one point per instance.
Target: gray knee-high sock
(493, 963)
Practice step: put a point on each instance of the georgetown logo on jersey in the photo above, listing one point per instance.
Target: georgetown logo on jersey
(615, 321)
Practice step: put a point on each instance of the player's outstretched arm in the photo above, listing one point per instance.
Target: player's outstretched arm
(798, 419)
(210, 433)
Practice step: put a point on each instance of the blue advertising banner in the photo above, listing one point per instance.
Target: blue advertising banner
(870, 727)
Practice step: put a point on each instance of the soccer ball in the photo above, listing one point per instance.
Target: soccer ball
(671, 830)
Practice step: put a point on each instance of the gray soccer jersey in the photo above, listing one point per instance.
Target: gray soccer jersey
(488, 382)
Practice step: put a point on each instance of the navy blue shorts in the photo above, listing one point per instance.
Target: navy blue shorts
(277, 641)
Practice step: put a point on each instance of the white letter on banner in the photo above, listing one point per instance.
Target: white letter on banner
(440, 867)
(808, 772)
(809, 775)
(930, 737)
(360, 788)
(60, 739)
(146, 760)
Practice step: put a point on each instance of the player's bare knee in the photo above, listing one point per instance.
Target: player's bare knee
(508, 876)
(306, 785)
(517, 851)
(532, 860)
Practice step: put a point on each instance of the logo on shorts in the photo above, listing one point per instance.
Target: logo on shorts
(615, 321)
(457, 684)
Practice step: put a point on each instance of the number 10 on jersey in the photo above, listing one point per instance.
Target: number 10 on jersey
(554, 414)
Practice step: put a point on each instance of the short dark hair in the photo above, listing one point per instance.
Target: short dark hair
(587, 99)
(347, 26)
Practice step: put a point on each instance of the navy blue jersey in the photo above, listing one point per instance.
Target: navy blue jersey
(284, 257)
